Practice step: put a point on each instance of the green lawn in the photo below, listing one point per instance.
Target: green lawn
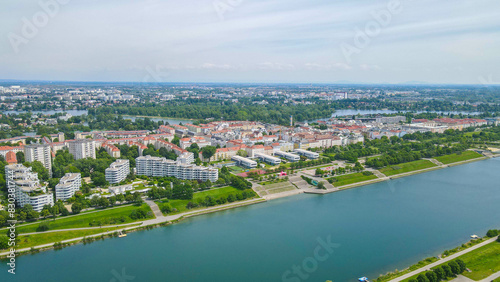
(351, 178)
(236, 169)
(26, 241)
(406, 167)
(111, 216)
(278, 187)
(453, 158)
(180, 205)
(483, 262)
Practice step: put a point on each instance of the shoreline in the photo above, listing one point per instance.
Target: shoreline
(406, 174)
(167, 220)
(139, 226)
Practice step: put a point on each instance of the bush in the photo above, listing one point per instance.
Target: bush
(492, 233)
(166, 208)
(367, 173)
(44, 226)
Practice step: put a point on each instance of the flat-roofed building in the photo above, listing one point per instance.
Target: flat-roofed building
(289, 156)
(120, 189)
(241, 161)
(39, 152)
(307, 154)
(82, 149)
(68, 185)
(268, 159)
(161, 167)
(27, 188)
(117, 171)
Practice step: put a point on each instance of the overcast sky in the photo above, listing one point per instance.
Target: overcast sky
(435, 41)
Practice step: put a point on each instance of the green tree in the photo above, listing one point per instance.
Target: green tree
(103, 202)
(447, 270)
(99, 179)
(439, 273)
(431, 276)
(455, 269)
(208, 152)
(76, 208)
(422, 278)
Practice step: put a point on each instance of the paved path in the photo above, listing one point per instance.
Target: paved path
(154, 207)
(68, 216)
(83, 228)
(155, 221)
(490, 278)
(441, 261)
(436, 162)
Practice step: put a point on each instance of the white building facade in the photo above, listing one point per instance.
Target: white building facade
(82, 149)
(68, 185)
(27, 188)
(39, 152)
(161, 167)
(117, 171)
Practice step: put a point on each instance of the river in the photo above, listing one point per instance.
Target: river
(375, 229)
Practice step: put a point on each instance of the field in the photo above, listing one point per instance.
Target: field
(406, 167)
(483, 262)
(276, 188)
(180, 205)
(26, 241)
(351, 178)
(453, 158)
(84, 220)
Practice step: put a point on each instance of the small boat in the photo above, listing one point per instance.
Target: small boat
(363, 279)
(120, 235)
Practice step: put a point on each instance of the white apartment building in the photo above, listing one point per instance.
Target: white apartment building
(27, 188)
(307, 154)
(241, 161)
(117, 171)
(39, 152)
(288, 156)
(161, 167)
(68, 185)
(82, 149)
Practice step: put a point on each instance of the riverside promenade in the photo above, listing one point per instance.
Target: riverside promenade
(441, 261)
(160, 219)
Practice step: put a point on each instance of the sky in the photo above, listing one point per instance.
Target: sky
(281, 41)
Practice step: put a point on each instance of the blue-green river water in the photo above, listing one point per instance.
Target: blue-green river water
(341, 236)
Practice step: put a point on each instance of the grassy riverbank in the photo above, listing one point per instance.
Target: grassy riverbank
(459, 157)
(393, 275)
(350, 179)
(180, 206)
(406, 167)
(26, 241)
(101, 218)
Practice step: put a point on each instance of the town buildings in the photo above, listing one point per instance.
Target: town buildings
(27, 188)
(68, 185)
(161, 167)
(117, 171)
(82, 149)
(39, 152)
